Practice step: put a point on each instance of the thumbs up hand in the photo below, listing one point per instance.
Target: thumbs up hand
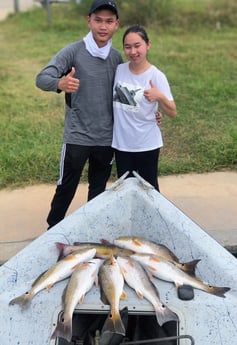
(166, 105)
(69, 84)
(151, 94)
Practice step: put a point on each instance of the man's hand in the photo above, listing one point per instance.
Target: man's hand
(69, 84)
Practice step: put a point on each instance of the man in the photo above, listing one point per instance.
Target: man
(85, 70)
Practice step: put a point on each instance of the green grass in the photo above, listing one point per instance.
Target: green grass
(200, 63)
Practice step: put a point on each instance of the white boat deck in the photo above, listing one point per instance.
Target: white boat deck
(129, 207)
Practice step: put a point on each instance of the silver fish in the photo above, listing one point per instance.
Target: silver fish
(166, 270)
(81, 281)
(111, 282)
(61, 270)
(136, 277)
(141, 245)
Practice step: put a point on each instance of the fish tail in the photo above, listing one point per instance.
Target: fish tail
(164, 314)
(217, 291)
(114, 324)
(60, 246)
(22, 300)
(63, 330)
(190, 266)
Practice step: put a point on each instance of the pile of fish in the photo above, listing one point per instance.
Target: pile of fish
(131, 260)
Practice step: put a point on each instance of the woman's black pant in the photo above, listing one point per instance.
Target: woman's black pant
(144, 163)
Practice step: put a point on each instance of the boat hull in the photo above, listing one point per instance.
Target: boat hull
(130, 207)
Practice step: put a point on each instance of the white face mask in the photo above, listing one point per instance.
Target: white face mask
(94, 50)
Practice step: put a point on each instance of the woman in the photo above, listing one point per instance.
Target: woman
(140, 89)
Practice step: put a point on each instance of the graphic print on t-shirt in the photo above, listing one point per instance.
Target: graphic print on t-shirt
(127, 96)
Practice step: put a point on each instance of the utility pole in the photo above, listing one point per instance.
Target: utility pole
(16, 6)
(48, 7)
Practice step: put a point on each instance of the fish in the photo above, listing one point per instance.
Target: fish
(103, 251)
(82, 280)
(137, 278)
(111, 283)
(59, 271)
(165, 270)
(141, 245)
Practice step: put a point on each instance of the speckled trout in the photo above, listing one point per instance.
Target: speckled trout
(140, 245)
(81, 281)
(166, 270)
(136, 277)
(61, 270)
(111, 283)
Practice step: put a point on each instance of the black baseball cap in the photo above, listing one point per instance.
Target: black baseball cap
(103, 4)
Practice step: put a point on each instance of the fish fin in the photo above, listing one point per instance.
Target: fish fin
(112, 259)
(137, 242)
(177, 284)
(60, 246)
(113, 324)
(23, 300)
(103, 297)
(131, 263)
(64, 294)
(63, 330)
(81, 299)
(123, 295)
(188, 267)
(38, 278)
(95, 278)
(217, 291)
(164, 314)
(96, 281)
(49, 286)
(139, 294)
(150, 276)
(74, 267)
(123, 271)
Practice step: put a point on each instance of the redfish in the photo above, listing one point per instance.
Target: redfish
(140, 245)
(61, 270)
(136, 277)
(103, 251)
(111, 283)
(81, 281)
(165, 270)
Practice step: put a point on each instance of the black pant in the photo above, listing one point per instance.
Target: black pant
(144, 163)
(73, 160)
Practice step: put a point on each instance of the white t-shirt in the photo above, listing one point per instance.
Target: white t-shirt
(135, 127)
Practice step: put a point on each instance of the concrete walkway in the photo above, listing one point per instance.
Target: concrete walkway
(208, 199)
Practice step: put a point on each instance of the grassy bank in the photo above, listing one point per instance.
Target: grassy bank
(201, 66)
